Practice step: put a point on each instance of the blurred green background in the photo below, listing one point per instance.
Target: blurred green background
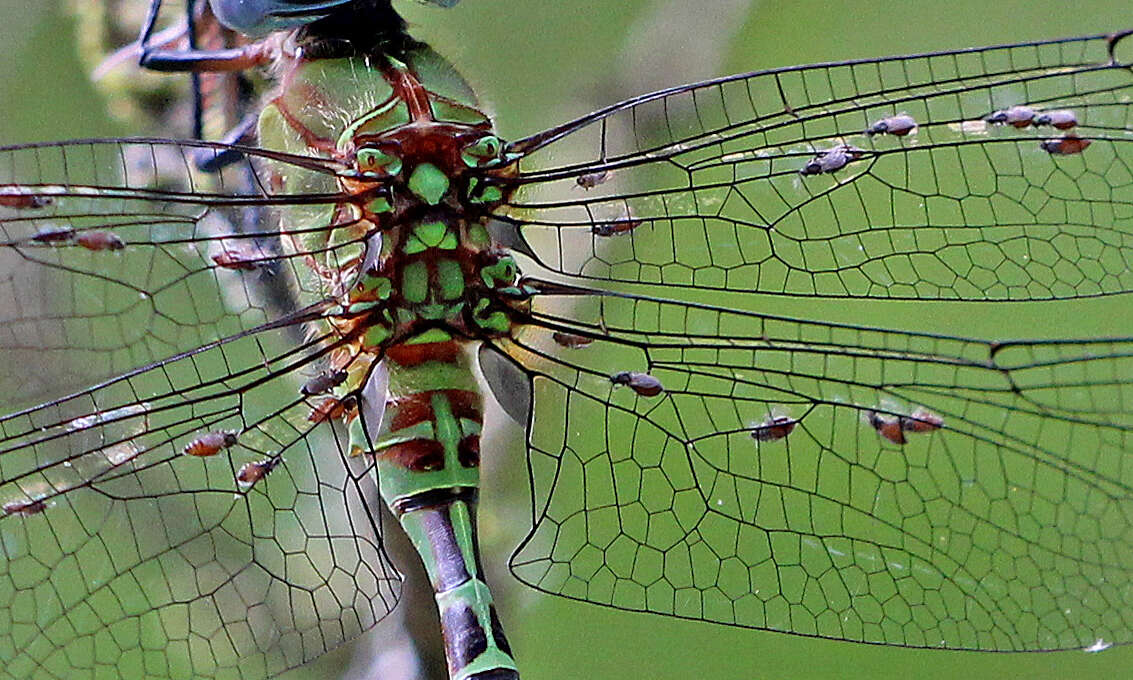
(536, 63)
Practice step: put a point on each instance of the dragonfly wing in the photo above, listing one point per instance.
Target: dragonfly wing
(246, 562)
(766, 485)
(117, 253)
(703, 186)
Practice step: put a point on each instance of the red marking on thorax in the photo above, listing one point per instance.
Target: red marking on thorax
(312, 140)
(417, 354)
(409, 89)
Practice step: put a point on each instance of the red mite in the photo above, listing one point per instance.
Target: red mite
(210, 444)
(237, 260)
(1065, 146)
(887, 426)
(21, 201)
(774, 428)
(571, 340)
(642, 383)
(623, 225)
(100, 240)
(323, 382)
(894, 428)
(54, 235)
(899, 125)
(593, 179)
(250, 473)
(333, 408)
(25, 508)
(922, 420)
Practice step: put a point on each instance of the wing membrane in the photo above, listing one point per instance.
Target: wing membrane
(118, 535)
(1008, 528)
(709, 175)
(110, 250)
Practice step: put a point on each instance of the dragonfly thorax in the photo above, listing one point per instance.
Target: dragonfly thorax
(434, 269)
(437, 277)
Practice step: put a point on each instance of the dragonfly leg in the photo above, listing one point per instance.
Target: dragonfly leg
(215, 161)
(194, 60)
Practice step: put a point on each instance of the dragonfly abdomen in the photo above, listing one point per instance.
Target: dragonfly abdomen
(428, 458)
(443, 530)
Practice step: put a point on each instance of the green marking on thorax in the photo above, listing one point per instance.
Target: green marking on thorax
(503, 271)
(379, 205)
(496, 321)
(377, 284)
(415, 282)
(435, 312)
(376, 335)
(385, 117)
(429, 183)
(431, 335)
(377, 162)
(450, 279)
(431, 233)
(478, 237)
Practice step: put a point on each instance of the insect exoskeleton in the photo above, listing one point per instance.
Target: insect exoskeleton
(832, 160)
(100, 240)
(25, 508)
(1015, 116)
(642, 383)
(54, 235)
(1060, 119)
(211, 443)
(334, 408)
(895, 427)
(1067, 145)
(922, 420)
(899, 125)
(570, 340)
(887, 425)
(239, 259)
(250, 473)
(775, 427)
(323, 382)
(593, 179)
(13, 197)
(624, 224)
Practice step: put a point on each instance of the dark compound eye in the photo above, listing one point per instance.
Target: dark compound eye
(377, 163)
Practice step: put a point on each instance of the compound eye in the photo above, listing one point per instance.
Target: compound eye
(376, 163)
(483, 152)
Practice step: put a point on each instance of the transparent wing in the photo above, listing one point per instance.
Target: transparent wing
(113, 252)
(701, 186)
(120, 545)
(832, 480)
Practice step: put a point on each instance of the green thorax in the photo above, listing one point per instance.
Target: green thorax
(404, 251)
(411, 240)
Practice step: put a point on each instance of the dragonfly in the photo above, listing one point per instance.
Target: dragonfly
(629, 285)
